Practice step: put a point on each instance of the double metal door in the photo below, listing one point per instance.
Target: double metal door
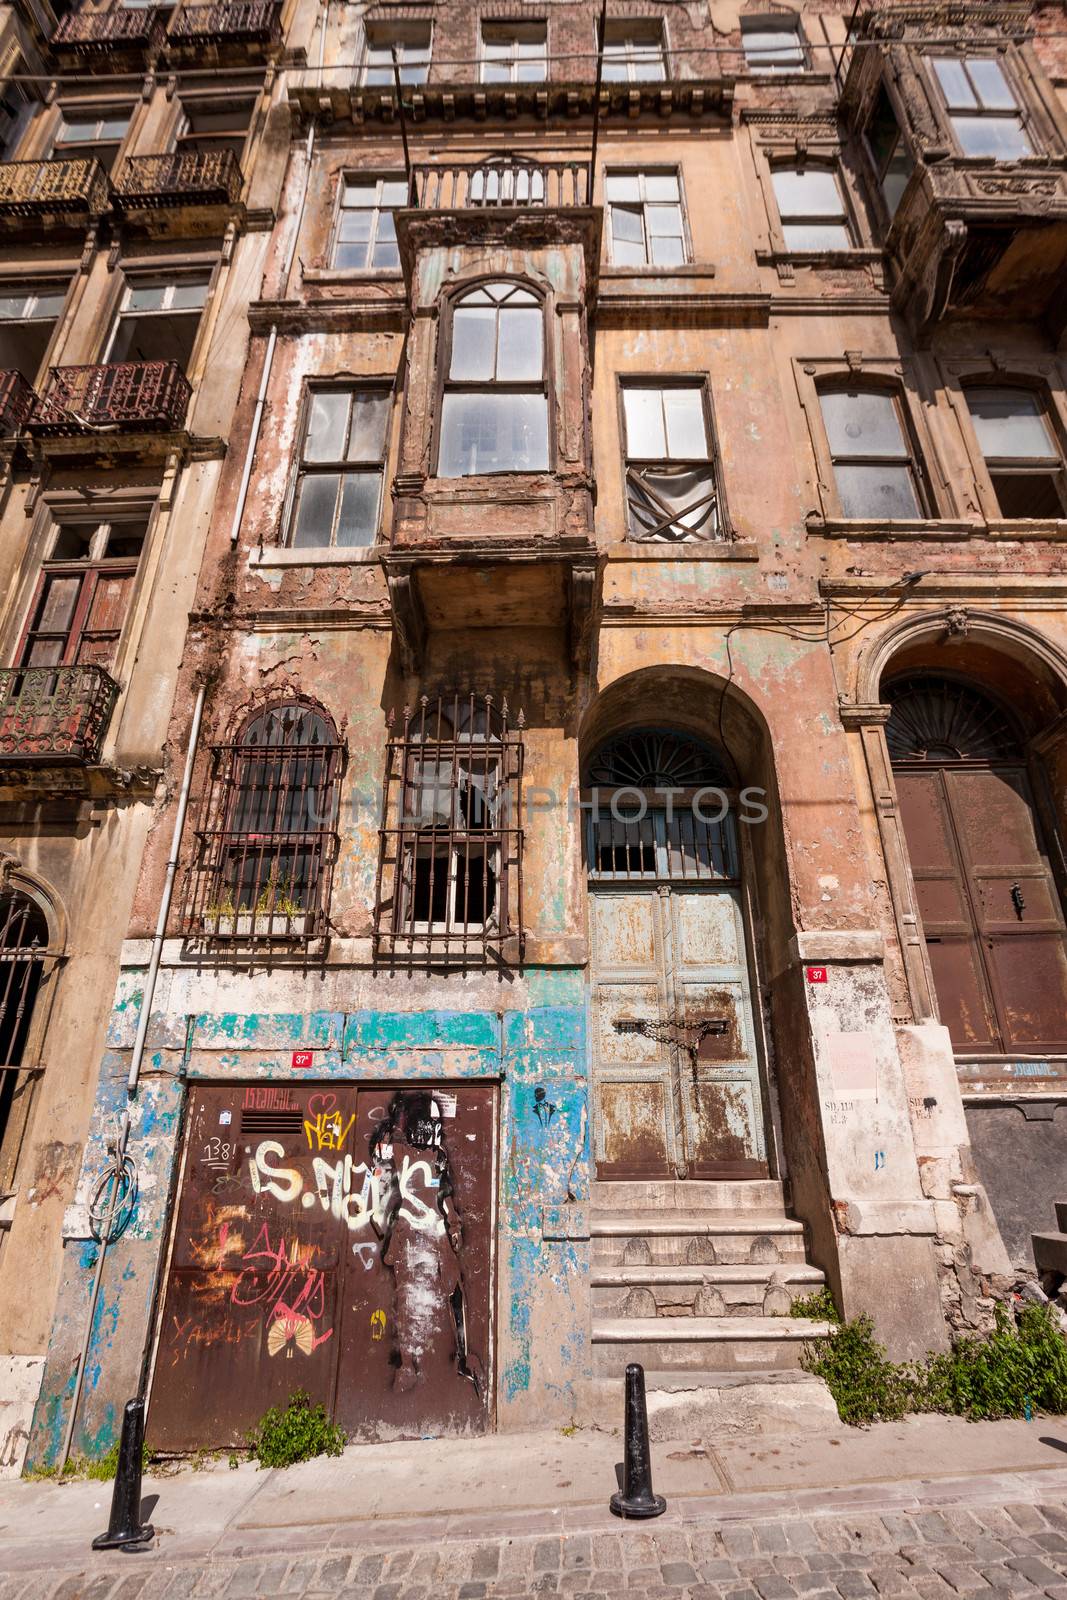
(671, 1097)
(336, 1240)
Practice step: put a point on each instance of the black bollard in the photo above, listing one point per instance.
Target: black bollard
(637, 1498)
(124, 1529)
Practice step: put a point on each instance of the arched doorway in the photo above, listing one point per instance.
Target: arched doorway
(991, 911)
(676, 1081)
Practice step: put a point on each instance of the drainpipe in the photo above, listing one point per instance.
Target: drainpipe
(272, 338)
(121, 1167)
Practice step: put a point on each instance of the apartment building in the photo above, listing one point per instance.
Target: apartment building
(603, 877)
(133, 237)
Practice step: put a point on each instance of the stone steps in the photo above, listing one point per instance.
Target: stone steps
(704, 1239)
(689, 1195)
(713, 1404)
(725, 1290)
(693, 1344)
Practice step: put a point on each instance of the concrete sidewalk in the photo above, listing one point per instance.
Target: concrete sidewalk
(526, 1485)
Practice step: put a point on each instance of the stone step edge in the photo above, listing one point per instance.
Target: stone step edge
(681, 1380)
(705, 1330)
(606, 1276)
(701, 1226)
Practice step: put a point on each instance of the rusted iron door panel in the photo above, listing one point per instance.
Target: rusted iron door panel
(963, 996)
(1017, 907)
(721, 1091)
(1000, 970)
(414, 1352)
(635, 1109)
(277, 1261)
(253, 1289)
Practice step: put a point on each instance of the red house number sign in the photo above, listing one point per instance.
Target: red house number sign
(303, 1059)
(816, 974)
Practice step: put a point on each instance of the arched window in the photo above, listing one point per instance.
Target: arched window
(450, 874)
(659, 807)
(991, 912)
(494, 413)
(876, 472)
(267, 841)
(23, 944)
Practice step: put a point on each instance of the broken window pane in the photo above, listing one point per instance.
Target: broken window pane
(1028, 493)
(671, 503)
(486, 432)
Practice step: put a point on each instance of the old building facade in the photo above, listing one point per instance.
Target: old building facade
(604, 876)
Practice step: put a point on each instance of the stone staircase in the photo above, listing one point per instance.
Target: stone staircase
(694, 1280)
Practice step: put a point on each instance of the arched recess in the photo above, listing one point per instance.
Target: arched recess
(33, 936)
(679, 1052)
(966, 771)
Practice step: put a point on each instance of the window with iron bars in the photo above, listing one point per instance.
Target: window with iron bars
(23, 953)
(450, 864)
(266, 841)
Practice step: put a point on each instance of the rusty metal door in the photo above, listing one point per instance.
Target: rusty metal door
(667, 958)
(991, 912)
(333, 1239)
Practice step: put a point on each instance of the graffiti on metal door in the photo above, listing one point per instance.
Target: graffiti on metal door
(345, 1230)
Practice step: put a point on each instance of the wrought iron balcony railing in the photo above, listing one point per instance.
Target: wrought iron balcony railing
(28, 188)
(119, 397)
(54, 713)
(500, 182)
(240, 21)
(87, 33)
(16, 401)
(188, 178)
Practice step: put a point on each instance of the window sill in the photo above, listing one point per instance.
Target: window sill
(858, 257)
(938, 528)
(800, 75)
(352, 275)
(273, 555)
(686, 269)
(686, 550)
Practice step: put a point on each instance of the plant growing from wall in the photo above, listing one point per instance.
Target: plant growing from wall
(296, 1432)
(1018, 1369)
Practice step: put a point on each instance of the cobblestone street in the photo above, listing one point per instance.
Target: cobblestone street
(1003, 1534)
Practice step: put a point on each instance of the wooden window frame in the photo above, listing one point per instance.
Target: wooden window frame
(378, 176)
(351, 386)
(399, 33)
(630, 28)
(963, 54)
(661, 169)
(793, 23)
(1041, 376)
(799, 167)
(504, 24)
(658, 380)
(444, 385)
(936, 494)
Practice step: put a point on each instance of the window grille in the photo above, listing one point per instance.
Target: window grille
(23, 947)
(450, 865)
(267, 841)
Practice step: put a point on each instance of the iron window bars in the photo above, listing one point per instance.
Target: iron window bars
(672, 493)
(450, 863)
(267, 843)
(23, 949)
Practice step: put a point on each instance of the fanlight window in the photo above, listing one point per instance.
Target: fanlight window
(494, 415)
(449, 879)
(659, 808)
(938, 719)
(267, 841)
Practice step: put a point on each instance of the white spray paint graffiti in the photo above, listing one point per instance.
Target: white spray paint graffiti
(350, 1191)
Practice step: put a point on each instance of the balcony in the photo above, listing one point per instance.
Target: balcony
(71, 192)
(119, 397)
(982, 240)
(108, 38)
(190, 182)
(16, 402)
(54, 715)
(245, 23)
(501, 182)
